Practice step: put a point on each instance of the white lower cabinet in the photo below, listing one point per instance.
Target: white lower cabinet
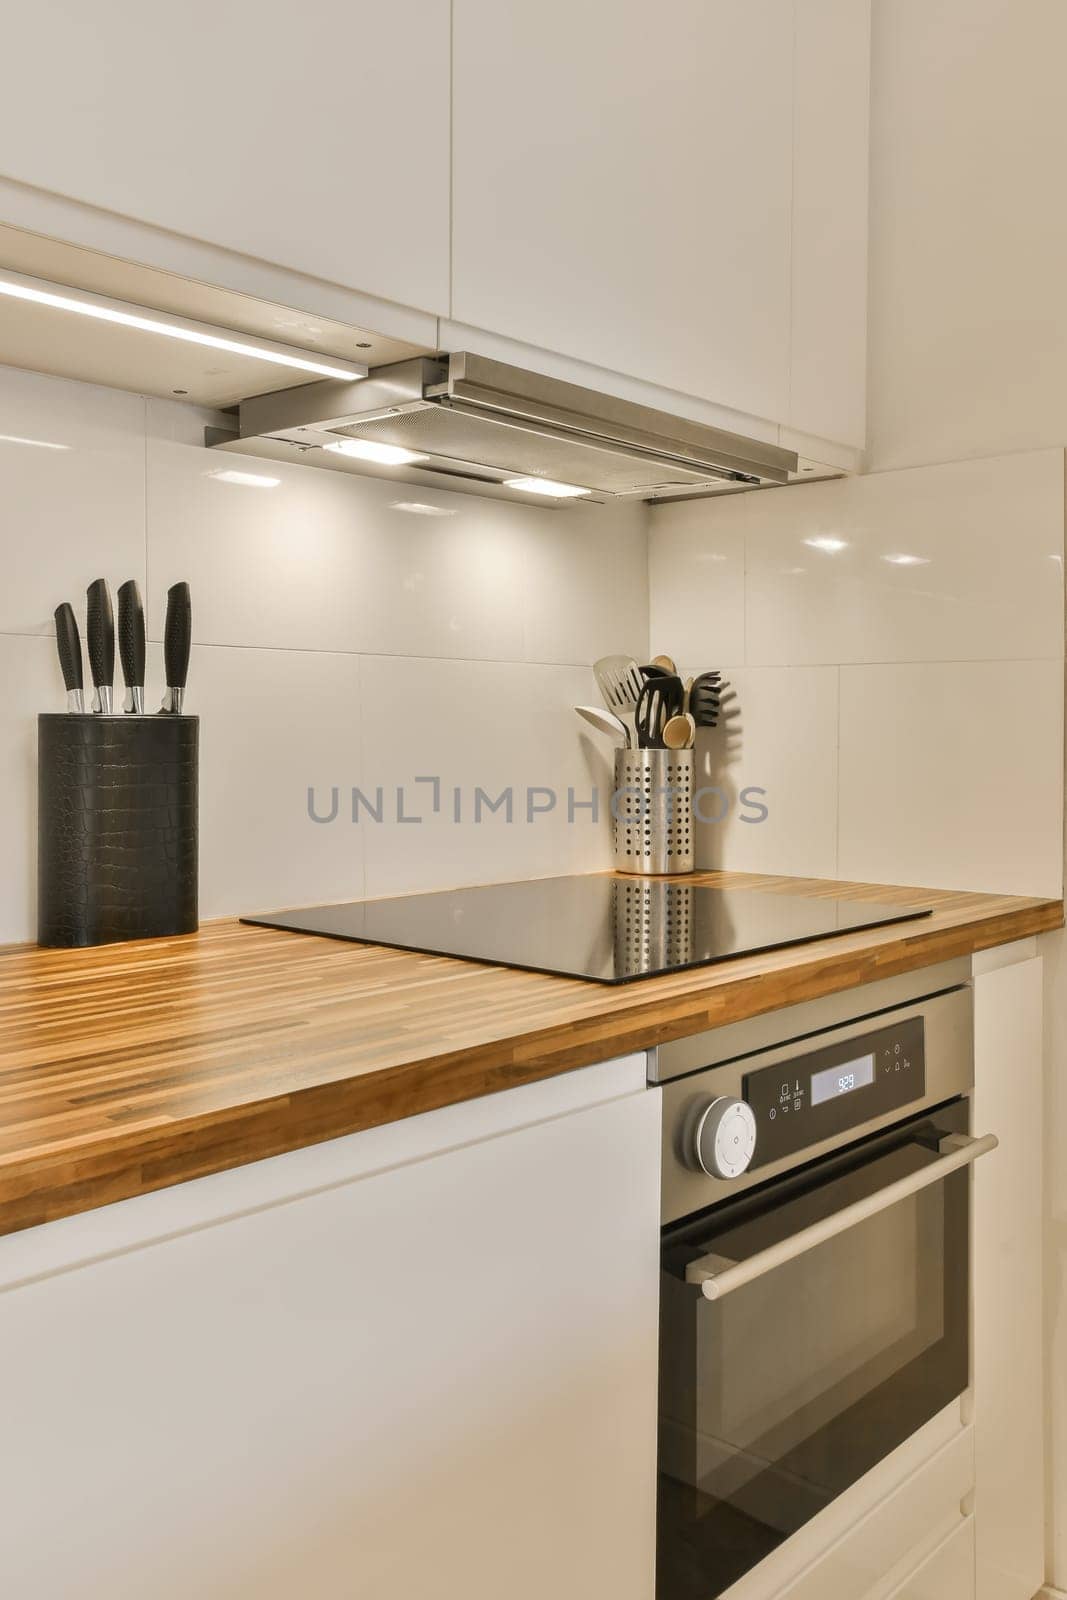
(946, 1575)
(420, 1361)
(1009, 1390)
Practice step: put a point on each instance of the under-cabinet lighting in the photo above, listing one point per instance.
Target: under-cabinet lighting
(251, 480)
(545, 486)
(386, 455)
(904, 560)
(61, 298)
(419, 508)
(824, 542)
(39, 444)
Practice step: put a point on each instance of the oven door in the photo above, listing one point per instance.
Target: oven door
(807, 1329)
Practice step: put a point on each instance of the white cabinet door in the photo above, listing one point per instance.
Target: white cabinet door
(828, 335)
(433, 1380)
(622, 180)
(946, 1575)
(315, 138)
(1008, 1295)
(677, 193)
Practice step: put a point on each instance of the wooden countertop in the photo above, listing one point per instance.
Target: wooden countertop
(130, 1067)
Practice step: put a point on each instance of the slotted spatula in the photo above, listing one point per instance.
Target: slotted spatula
(661, 699)
(620, 682)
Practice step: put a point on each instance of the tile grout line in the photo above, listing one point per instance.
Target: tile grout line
(837, 776)
(528, 661)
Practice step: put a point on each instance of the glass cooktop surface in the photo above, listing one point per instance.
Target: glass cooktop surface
(597, 926)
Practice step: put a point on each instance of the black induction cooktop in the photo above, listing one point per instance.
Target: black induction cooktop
(608, 928)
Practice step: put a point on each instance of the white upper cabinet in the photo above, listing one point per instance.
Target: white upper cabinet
(828, 336)
(622, 187)
(313, 138)
(675, 193)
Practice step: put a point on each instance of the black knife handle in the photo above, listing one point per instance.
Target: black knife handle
(100, 633)
(131, 635)
(69, 645)
(178, 635)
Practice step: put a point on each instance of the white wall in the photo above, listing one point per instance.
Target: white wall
(338, 640)
(905, 720)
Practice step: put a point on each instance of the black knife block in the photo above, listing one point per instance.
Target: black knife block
(117, 827)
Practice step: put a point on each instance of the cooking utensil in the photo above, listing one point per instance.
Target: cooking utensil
(661, 699)
(651, 671)
(100, 640)
(705, 699)
(665, 664)
(606, 722)
(69, 646)
(620, 682)
(680, 732)
(177, 643)
(132, 645)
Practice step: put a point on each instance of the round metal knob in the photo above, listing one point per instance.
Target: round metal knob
(726, 1137)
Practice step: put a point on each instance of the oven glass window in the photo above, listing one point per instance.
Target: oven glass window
(777, 1397)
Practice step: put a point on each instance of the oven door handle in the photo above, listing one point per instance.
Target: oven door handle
(717, 1277)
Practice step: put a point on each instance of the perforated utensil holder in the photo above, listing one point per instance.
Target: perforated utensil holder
(117, 828)
(652, 811)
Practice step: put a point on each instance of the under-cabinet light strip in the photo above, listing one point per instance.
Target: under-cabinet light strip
(39, 291)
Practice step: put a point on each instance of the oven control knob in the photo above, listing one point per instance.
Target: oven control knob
(726, 1137)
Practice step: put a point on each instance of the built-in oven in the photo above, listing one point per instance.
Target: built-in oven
(815, 1304)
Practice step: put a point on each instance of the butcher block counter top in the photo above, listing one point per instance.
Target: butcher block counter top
(130, 1067)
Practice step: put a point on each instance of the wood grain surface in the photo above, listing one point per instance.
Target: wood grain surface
(130, 1067)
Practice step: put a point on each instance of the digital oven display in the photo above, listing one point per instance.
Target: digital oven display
(835, 1081)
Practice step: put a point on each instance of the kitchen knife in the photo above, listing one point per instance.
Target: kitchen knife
(177, 642)
(100, 639)
(132, 645)
(69, 645)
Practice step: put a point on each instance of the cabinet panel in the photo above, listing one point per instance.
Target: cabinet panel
(1008, 1290)
(438, 1379)
(948, 1574)
(317, 140)
(828, 336)
(622, 187)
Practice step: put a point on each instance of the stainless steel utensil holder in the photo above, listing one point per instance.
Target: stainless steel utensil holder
(652, 809)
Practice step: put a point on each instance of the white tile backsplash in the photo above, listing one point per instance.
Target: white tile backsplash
(952, 775)
(984, 580)
(494, 726)
(941, 765)
(696, 564)
(72, 513)
(775, 750)
(274, 723)
(905, 721)
(32, 683)
(339, 640)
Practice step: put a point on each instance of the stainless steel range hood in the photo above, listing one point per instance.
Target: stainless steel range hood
(473, 423)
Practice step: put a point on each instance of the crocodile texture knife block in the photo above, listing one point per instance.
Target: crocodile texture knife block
(117, 828)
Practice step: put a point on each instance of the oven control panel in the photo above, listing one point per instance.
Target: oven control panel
(809, 1098)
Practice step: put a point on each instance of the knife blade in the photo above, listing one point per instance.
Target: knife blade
(69, 645)
(177, 643)
(100, 640)
(132, 645)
